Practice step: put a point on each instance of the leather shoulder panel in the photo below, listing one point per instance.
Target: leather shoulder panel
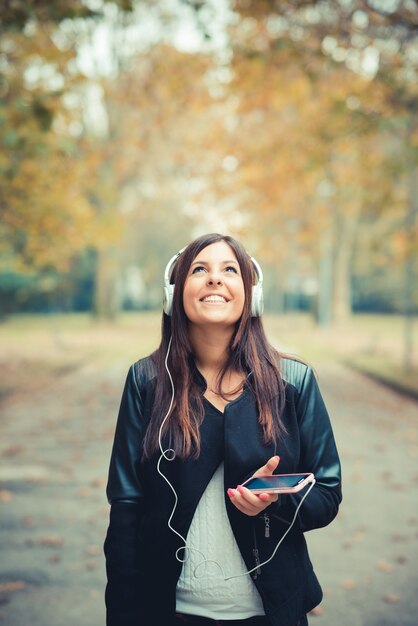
(144, 371)
(293, 371)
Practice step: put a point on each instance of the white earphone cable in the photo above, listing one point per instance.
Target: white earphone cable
(169, 455)
(281, 539)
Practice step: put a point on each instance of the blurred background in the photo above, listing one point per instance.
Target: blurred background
(127, 128)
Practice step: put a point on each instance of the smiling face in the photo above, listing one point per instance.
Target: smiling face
(214, 290)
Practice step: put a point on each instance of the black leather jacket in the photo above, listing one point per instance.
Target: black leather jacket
(140, 548)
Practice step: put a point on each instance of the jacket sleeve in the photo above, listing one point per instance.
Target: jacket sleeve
(123, 604)
(318, 454)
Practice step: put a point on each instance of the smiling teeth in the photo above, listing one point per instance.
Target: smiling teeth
(214, 299)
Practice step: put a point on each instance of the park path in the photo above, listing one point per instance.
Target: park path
(54, 450)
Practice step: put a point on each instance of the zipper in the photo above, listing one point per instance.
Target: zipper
(256, 556)
(266, 518)
(257, 572)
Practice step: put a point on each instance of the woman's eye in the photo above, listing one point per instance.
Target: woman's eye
(198, 268)
(231, 268)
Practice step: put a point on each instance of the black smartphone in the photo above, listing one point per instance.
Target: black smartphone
(279, 483)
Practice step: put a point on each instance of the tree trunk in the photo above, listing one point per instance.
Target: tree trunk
(324, 308)
(343, 253)
(410, 260)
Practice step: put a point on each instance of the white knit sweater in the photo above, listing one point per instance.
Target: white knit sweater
(201, 589)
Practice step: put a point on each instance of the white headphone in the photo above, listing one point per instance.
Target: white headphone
(257, 299)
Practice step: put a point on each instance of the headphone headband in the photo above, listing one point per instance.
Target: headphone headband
(257, 299)
(170, 265)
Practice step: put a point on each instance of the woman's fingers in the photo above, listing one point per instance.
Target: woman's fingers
(250, 503)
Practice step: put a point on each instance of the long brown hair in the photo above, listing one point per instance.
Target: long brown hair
(249, 351)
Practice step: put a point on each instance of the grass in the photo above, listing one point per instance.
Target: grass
(376, 345)
(34, 349)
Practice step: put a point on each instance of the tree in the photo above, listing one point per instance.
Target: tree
(328, 53)
(46, 219)
(43, 224)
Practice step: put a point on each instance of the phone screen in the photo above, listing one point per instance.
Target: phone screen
(277, 481)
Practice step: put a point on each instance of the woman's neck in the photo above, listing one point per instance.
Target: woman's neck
(210, 348)
(211, 354)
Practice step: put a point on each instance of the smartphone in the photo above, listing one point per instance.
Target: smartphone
(279, 483)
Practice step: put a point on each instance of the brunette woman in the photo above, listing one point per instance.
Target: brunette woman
(212, 406)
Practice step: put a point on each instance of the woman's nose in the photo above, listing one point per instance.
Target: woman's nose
(214, 278)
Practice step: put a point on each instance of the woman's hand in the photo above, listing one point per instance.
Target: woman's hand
(252, 503)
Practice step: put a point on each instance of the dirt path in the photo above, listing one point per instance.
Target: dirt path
(54, 452)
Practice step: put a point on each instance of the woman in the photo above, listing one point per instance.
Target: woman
(212, 406)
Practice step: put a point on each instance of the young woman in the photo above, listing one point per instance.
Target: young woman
(214, 405)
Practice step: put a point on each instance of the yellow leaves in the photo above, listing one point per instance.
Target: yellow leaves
(46, 217)
(290, 119)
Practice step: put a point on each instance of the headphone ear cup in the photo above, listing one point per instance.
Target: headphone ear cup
(168, 298)
(257, 301)
(168, 292)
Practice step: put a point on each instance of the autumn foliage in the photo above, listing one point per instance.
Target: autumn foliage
(298, 134)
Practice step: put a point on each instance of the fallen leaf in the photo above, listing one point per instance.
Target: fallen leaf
(391, 598)
(348, 584)
(384, 566)
(402, 559)
(12, 586)
(397, 486)
(12, 451)
(358, 535)
(317, 611)
(99, 483)
(51, 541)
(94, 551)
(54, 558)
(5, 496)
